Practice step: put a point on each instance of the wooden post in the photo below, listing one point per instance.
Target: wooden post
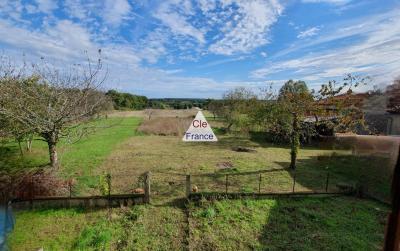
(147, 187)
(70, 188)
(32, 192)
(327, 182)
(259, 184)
(294, 180)
(392, 238)
(109, 191)
(188, 186)
(109, 185)
(226, 183)
(32, 188)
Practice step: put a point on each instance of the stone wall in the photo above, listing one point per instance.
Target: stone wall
(86, 202)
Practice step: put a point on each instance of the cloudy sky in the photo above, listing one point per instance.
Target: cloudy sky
(200, 48)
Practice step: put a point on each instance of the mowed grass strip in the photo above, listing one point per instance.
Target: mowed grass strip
(50, 229)
(334, 223)
(143, 227)
(79, 159)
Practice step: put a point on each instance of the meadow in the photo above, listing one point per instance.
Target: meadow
(169, 223)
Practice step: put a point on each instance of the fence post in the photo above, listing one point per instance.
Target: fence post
(70, 188)
(259, 184)
(226, 183)
(109, 185)
(32, 191)
(188, 186)
(327, 181)
(33, 188)
(147, 187)
(294, 181)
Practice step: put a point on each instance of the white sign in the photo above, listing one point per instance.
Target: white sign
(199, 130)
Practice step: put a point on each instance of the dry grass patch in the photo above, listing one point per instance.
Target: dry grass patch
(155, 113)
(165, 126)
(169, 159)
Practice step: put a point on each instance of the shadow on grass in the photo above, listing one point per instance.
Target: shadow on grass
(330, 223)
(12, 161)
(371, 174)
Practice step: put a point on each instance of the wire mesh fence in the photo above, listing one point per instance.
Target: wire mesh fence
(39, 186)
(263, 182)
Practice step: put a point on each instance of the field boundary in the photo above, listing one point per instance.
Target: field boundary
(114, 200)
(218, 195)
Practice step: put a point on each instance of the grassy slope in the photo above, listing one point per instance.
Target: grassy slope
(288, 224)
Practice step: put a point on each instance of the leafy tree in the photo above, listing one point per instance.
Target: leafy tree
(127, 100)
(215, 107)
(52, 102)
(296, 100)
(237, 105)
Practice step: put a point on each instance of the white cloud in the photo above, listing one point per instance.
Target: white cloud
(46, 6)
(172, 14)
(309, 32)
(254, 20)
(115, 11)
(376, 53)
(76, 9)
(207, 5)
(338, 2)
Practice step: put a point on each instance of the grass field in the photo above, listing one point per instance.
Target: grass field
(339, 223)
(336, 223)
(269, 224)
(78, 160)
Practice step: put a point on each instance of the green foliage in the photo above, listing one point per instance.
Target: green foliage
(177, 103)
(336, 223)
(293, 87)
(236, 106)
(127, 100)
(105, 183)
(95, 237)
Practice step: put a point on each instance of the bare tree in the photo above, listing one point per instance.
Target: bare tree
(52, 103)
(149, 112)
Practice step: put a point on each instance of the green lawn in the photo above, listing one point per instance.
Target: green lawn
(79, 159)
(334, 223)
(51, 229)
(340, 223)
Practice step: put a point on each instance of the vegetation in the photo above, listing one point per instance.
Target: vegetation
(288, 224)
(127, 101)
(49, 102)
(51, 229)
(333, 223)
(110, 157)
(78, 160)
(177, 103)
(288, 114)
(258, 224)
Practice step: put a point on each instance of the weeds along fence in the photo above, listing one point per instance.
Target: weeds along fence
(95, 190)
(265, 182)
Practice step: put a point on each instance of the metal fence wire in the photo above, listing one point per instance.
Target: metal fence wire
(263, 182)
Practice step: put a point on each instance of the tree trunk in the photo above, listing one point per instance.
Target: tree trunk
(53, 154)
(20, 148)
(29, 143)
(295, 142)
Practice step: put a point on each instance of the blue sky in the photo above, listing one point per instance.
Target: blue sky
(184, 48)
